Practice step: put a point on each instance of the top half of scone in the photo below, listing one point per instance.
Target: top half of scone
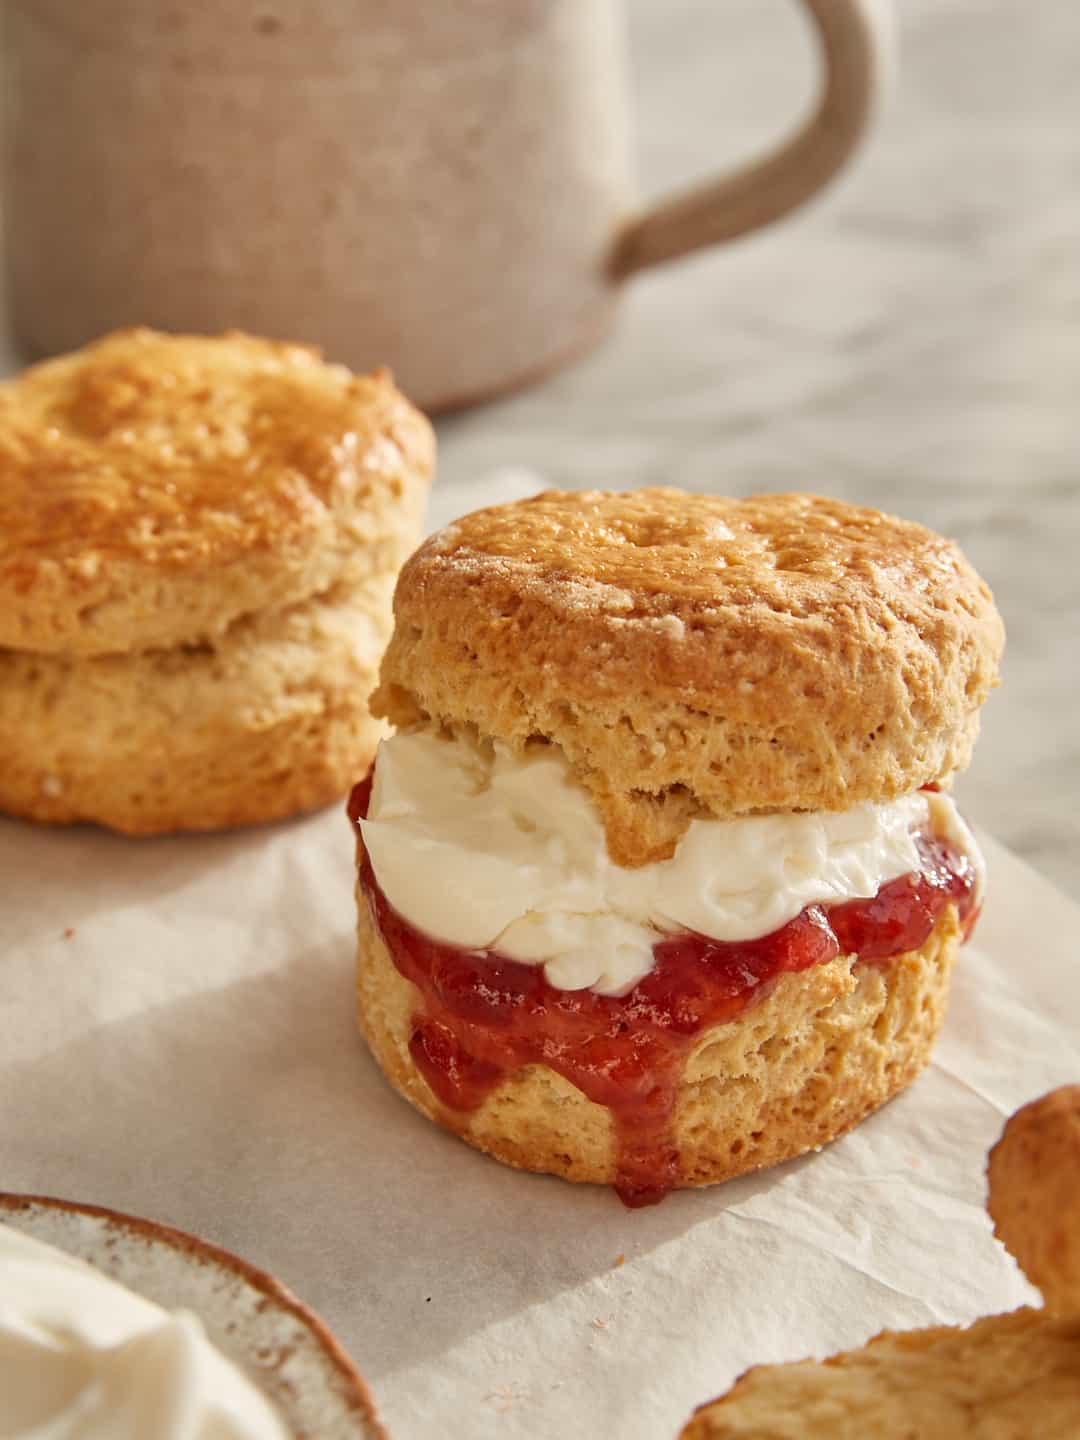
(693, 656)
(153, 488)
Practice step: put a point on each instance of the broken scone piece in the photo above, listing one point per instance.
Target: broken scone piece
(1034, 1173)
(1015, 1375)
(659, 879)
(198, 546)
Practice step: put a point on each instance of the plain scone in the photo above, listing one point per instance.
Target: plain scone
(698, 656)
(198, 547)
(1007, 1377)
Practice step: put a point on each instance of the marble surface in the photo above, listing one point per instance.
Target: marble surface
(911, 341)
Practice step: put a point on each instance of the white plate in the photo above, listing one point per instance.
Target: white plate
(281, 1345)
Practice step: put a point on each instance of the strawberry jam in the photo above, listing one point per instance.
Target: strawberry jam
(483, 1016)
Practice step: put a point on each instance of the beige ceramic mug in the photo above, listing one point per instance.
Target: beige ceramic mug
(438, 185)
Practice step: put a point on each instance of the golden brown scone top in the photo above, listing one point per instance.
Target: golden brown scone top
(1034, 1199)
(694, 654)
(154, 487)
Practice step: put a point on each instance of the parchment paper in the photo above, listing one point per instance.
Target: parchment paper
(177, 1040)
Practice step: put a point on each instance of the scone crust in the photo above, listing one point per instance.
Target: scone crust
(154, 488)
(810, 1060)
(268, 720)
(698, 655)
(1005, 1375)
(1034, 1181)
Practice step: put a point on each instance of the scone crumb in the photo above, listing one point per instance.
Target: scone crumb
(671, 626)
(505, 1397)
(87, 565)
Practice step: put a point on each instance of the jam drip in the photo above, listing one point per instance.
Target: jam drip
(485, 1016)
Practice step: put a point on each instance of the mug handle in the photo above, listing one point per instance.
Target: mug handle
(854, 45)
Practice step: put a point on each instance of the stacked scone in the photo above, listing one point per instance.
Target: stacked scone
(198, 544)
(1006, 1377)
(659, 879)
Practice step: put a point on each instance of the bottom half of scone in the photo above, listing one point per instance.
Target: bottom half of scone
(269, 719)
(808, 1055)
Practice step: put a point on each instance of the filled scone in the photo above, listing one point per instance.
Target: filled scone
(659, 878)
(1014, 1375)
(199, 544)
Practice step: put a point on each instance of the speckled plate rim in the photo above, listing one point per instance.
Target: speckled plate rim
(277, 1341)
